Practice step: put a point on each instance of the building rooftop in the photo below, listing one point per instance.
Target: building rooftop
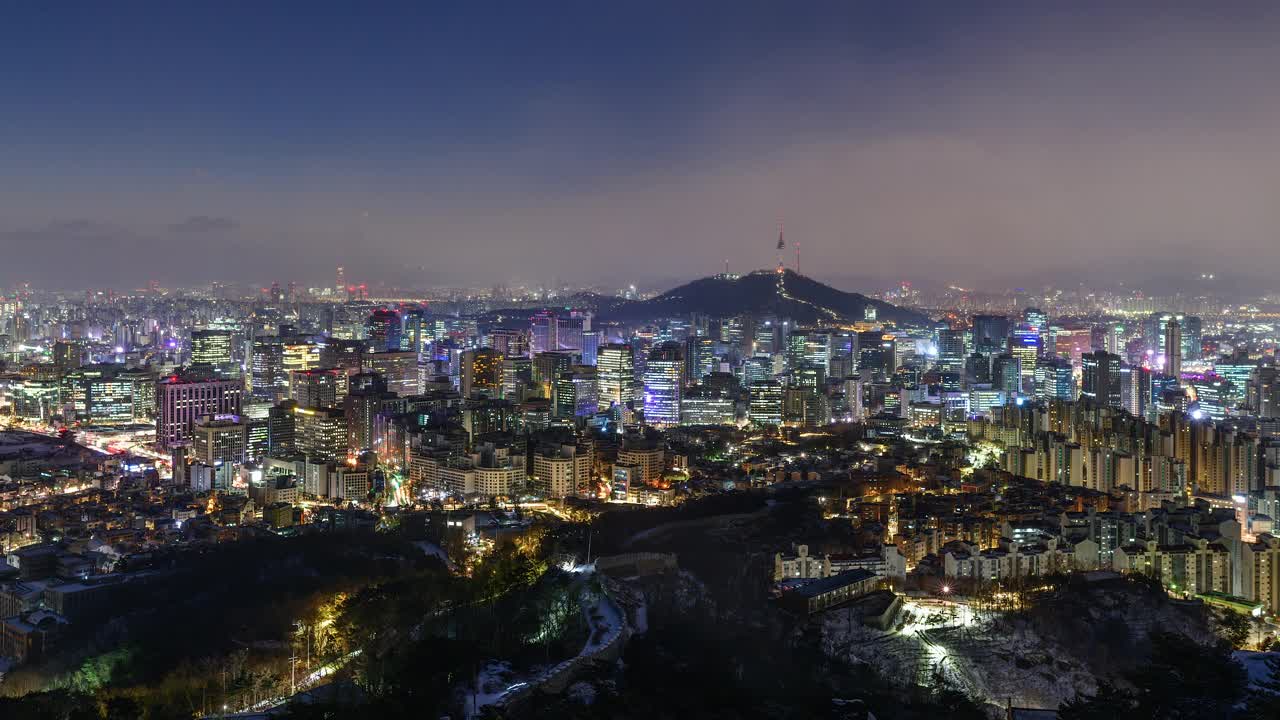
(835, 582)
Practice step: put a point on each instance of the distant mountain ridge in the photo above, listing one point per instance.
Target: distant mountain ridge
(763, 292)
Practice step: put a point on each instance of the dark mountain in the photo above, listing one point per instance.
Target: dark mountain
(800, 298)
(763, 292)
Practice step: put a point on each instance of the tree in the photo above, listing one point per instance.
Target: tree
(1233, 627)
(1109, 703)
(1264, 701)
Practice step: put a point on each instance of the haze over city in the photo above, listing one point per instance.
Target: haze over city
(1008, 144)
(642, 361)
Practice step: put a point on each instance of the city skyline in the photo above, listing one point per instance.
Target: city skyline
(1002, 145)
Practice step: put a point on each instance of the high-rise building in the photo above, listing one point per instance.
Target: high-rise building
(1101, 378)
(1135, 389)
(547, 366)
(508, 341)
(1264, 391)
(990, 334)
(542, 333)
(517, 375)
(267, 375)
(615, 375)
(1192, 336)
(320, 433)
(706, 406)
(766, 403)
(574, 393)
(1173, 348)
(1006, 374)
(664, 384)
(319, 387)
(1055, 379)
(877, 353)
(700, 358)
(569, 331)
(219, 439)
(109, 400)
(182, 399)
(68, 354)
(384, 330)
(1037, 319)
(1025, 345)
(481, 372)
(298, 354)
(399, 368)
(951, 349)
(215, 348)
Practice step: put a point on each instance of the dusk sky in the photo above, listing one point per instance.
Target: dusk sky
(434, 144)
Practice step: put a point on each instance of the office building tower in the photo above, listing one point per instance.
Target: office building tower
(547, 366)
(1056, 379)
(109, 400)
(319, 387)
(1173, 349)
(320, 433)
(591, 342)
(990, 334)
(1116, 338)
(398, 368)
(1135, 389)
(384, 330)
(1006, 374)
(766, 403)
(1025, 344)
(298, 354)
(542, 333)
(569, 331)
(1037, 319)
(951, 349)
(219, 439)
(517, 375)
(758, 368)
(1263, 398)
(1239, 370)
(700, 358)
(346, 355)
(877, 354)
(267, 375)
(1101, 378)
(977, 369)
(481, 373)
(664, 384)
(510, 342)
(143, 382)
(68, 354)
(1211, 395)
(1192, 329)
(574, 393)
(615, 375)
(706, 406)
(183, 399)
(215, 348)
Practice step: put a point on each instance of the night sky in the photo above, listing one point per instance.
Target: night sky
(498, 143)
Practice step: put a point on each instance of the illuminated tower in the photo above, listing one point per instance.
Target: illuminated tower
(664, 384)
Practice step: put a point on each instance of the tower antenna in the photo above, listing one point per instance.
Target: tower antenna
(782, 244)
